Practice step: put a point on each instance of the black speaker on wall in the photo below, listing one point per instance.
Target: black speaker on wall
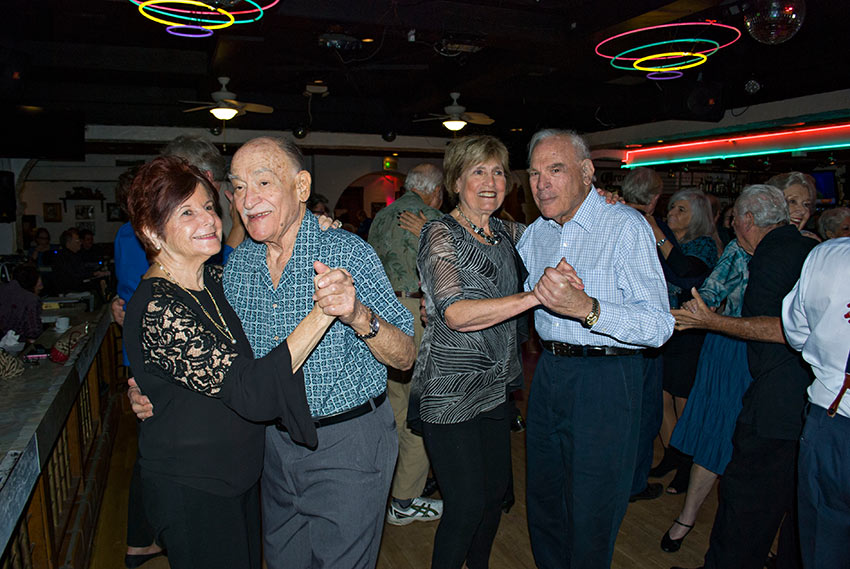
(8, 199)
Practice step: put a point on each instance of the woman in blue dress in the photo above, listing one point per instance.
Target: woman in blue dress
(705, 428)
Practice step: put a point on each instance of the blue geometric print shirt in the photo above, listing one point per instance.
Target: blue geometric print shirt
(341, 373)
(612, 249)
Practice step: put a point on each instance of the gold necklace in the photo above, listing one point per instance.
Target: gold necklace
(226, 329)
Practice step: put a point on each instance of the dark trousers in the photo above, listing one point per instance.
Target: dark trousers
(200, 529)
(756, 492)
(472, 463)
(824, 491)
(651, 415)
(139, 530)
(583, 423)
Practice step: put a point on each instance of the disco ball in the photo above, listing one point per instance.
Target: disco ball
(773, 22)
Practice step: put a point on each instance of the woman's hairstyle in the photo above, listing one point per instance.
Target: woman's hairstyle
(27, 276)
(462, 153)
(158, 189)
(702, 222)
(766, 203)
(829, 220)
(641, 185)
(788, 179)
(199, 152)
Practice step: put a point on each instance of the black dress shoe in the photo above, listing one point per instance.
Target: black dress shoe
(671, 545)
(651, 492)
(431, 486)
(133, 561)
(518, 424)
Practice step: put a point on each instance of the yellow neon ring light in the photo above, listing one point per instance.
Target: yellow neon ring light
(221, 11)
(702, 59)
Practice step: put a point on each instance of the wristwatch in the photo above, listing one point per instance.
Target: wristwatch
(374, 326)
(593, 315)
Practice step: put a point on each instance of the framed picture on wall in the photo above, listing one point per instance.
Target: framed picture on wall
(52, 212)
(83, 212)
(115, 213)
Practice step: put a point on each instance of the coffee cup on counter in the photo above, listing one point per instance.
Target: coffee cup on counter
(62, 323)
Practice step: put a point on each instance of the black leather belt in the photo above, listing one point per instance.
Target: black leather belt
(405, 294)
(352, 413)
(576, 351)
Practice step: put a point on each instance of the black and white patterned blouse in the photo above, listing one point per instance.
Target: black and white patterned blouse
(460, 375)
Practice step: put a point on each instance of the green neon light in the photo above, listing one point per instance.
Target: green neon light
(735, 155)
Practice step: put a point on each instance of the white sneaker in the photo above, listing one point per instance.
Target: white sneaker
(420, 510)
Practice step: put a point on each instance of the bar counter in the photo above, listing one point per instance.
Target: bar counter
(57, 423)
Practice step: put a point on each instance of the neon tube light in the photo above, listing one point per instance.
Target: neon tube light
(816, 138)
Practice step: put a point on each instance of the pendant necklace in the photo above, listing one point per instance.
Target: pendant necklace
(490, 239)
(226, 329)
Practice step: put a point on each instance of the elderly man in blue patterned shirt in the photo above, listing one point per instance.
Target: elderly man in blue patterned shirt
(324, 506)
(584, 408)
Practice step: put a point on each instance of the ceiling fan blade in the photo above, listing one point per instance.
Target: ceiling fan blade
(477, 118)
(210, 103)
(193, 109)
(257, 108)
(433, 118)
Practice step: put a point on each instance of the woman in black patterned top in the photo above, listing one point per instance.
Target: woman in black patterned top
(201, 453)
(470, 275)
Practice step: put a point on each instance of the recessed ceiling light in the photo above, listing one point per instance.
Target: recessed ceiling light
(318, 81)
(367, 40)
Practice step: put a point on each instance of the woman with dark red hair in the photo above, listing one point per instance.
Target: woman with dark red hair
(201, 453)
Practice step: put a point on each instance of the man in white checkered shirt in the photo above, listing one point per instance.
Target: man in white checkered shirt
(584, 408)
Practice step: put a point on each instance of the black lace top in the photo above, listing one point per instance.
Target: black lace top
(210, 396)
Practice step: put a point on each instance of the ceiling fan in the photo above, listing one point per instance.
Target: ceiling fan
(224, 105)
(456, 117)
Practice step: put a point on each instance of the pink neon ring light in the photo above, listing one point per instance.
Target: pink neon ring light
(680, 24)
(235, 13)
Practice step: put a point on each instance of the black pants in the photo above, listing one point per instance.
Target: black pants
(139, 530)
(202, 530)
(472, 462)
(756, 492)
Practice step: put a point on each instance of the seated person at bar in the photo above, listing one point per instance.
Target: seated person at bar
(834, 223)
(42, 252)
(21, 308)
(69, 272)
(200, 455)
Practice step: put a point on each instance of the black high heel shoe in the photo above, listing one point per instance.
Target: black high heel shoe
(668, 463)
(671, 545)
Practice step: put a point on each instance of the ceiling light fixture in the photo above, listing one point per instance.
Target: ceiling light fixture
(257, 12)
(224, 113)
(454, 125)
(678, 64)
(143, 6)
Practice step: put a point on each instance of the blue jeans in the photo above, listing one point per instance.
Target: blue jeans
(583, 422)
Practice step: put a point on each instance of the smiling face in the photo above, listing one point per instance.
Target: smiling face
(481, 188)
(192, 232)
(559, 180)
(269, 190)
(799, 204)
(679, 217)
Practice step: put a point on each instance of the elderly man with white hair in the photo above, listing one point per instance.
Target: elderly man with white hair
(758, 487)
